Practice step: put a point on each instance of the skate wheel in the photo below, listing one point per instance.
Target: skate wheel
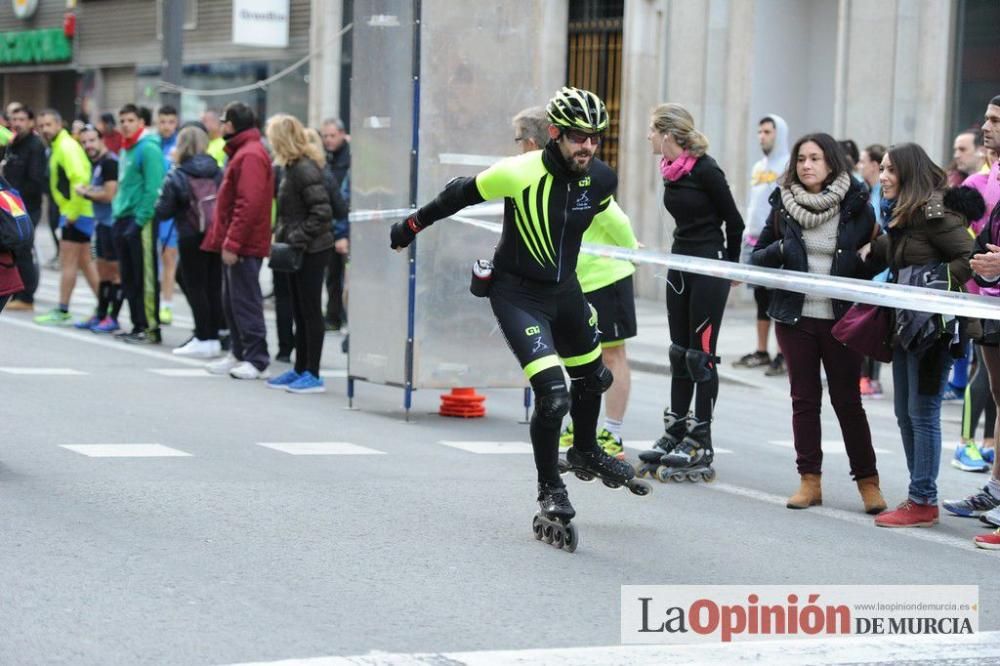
(709, 475)
(640, 488)
(557, 538)
(547, 535)
(586, 477)
(694, 477)
(662, 474)
(678, 477)
(570, 540)
(537, 528)
(643, 472)
(611, 484)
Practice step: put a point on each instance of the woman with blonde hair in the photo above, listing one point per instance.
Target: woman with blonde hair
(304, 222)
(188, 197)
(708, 224)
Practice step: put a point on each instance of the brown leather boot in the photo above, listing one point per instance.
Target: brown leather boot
(810, 493)
(871, 495)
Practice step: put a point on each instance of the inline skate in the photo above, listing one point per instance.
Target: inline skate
(614, 473)
(691, 460)
(674, 429)
(551, 523)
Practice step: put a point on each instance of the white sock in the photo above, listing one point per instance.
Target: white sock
(993, 488)
(167, 305)
(614, 427)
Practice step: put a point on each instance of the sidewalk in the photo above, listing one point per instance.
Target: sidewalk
(648, 350)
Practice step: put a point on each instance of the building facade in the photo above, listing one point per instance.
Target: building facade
(112, 51)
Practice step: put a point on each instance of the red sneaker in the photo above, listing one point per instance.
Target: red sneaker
(989, 541)
(909, 514)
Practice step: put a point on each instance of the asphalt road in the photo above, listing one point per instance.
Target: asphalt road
(240, 552)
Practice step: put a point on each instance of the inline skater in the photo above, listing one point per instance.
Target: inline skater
(551, 197)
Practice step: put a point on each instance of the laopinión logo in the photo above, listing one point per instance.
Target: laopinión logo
(685, 614)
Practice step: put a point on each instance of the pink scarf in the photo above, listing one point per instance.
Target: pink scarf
(676, 169)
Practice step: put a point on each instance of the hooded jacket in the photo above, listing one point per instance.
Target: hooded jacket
(25, 169)
(242, 222)
(764, 179)
(175, 196)
(140, 174)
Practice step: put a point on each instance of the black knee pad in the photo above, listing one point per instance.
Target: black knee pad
(551, 404)
(700, 366)
(678, 368)
(595, 382)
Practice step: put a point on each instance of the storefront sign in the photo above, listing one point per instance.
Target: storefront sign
(261, 22)
(34, 46)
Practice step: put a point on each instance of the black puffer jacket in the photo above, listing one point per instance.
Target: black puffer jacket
(304, 213)
(781, 246)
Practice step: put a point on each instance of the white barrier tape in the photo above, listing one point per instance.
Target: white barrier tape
(828, 286)
(840, 288)
(487, 208)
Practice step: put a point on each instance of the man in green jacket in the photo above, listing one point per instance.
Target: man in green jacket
(607, 284)
(69, 168)
(141, 171)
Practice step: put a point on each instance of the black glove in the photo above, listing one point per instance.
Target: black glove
(401, 234)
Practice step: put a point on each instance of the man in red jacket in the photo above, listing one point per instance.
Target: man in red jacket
(10, 278)
(242, 233)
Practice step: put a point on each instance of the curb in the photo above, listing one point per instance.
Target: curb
(664, 369)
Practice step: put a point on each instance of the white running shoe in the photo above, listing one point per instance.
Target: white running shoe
(223, 365)
(196, 348)
(246, 370)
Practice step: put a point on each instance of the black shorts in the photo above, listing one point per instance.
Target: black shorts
(615, 305)
(105, 243)
(544, 323)
(73, 235)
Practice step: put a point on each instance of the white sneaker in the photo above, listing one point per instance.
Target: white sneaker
(223, 365)
(246, 370)
(196, 348)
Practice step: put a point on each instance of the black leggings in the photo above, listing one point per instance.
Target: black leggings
(307, 309)
(695, 305)
(202, 286)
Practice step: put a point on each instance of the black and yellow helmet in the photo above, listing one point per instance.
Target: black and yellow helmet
(573, 108)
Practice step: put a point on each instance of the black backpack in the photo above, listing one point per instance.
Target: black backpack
(17, 233)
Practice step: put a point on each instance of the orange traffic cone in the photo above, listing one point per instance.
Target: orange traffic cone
(463, 403)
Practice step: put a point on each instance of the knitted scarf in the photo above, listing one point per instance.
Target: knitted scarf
(674, 170)
(812, 210)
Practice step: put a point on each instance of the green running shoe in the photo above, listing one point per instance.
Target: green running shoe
(611, 445)
(166, 316)
(566, 438)
(55, 317)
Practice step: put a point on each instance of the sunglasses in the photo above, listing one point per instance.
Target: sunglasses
(580, 138)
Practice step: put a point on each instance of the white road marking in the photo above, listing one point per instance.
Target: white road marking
(102, 341)
(982, 648)
(321, 448)
(488, 447)
(332, 372)
(125, 450)
(56, 372)
(830, 447)
(858, 518)
(182, 372)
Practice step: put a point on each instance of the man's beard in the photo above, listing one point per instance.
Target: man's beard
(575, 166)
